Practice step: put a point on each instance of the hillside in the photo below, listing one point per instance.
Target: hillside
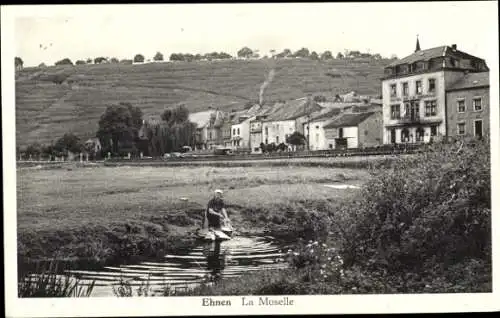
(46, 109)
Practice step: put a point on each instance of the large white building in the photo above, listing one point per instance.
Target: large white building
(414, 92)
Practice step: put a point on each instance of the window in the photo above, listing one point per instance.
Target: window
(405, 135)
(477, 104)
(461, 129)
(210, 135)
(433, 130)
(341, 133)
(238, 131)
(267, 132)
(461, 105)
(430, 108)
(277, 140)
(317, 127)
(478, 128)
(330, 146)
(395, 112)
(317, 138)
(405, 89)
(266, 141)
(234, 131)
(420, 134)
(418, 87)
(393, 90)
(432, 85)
(407, 110)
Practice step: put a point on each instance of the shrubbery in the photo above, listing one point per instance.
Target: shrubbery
(423, 218)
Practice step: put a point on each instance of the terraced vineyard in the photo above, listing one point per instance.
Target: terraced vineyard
(56, 100)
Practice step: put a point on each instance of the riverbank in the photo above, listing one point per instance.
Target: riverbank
(95, 216)
(421, 226)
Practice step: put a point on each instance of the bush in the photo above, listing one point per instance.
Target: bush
(422, 214)
(65, 61)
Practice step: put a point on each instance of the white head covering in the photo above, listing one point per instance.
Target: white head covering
(218, 191)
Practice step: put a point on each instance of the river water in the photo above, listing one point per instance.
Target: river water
(186, 269)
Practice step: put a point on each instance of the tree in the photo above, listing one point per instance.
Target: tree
(80, 62)
(394, 57)
(340, 56)
(303, 52)
(42, 65)
(65, 61)
(296, 139)
(68, 142)
(139, 58)
(119, 126)
(114, 60)
(353, 54)
(245, 52)
(35, 149)
(158, 57)
(314, 55)
(327, 55)
(175, 115)
(224, 55)
(89, 60)
(286, 52)
(282, 147)
(100, 59)
(18, 62)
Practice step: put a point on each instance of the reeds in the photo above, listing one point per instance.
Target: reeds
(49, 283)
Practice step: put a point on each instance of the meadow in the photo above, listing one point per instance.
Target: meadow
(419, 224)
(90, 216)
(60, 99)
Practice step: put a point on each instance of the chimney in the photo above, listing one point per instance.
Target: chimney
(454, 47)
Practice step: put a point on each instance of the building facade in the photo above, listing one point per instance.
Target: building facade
(414, 92)
(256, 134)
(354, 130)
(468, 106)
(240, 133)
(277, 131)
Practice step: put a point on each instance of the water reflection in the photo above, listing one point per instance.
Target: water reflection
(216, 259)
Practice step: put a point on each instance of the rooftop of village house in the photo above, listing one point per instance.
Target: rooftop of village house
(348, 120)
(471, 80)
(433, 59)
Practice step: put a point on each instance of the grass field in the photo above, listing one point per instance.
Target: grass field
(46, 110)
(105, 214)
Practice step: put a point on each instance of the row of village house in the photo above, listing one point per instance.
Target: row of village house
(427, 95)
(325, 125)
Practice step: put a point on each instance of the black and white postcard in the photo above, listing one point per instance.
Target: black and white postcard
(226, 159)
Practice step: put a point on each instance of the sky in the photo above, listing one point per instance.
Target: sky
(121, 31)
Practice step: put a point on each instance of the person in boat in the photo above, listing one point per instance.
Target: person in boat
(216, 214)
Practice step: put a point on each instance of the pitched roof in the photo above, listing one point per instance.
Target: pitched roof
(471, 80)
(423, 55)
(293, 109)
(326, 113)
(348, 120)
